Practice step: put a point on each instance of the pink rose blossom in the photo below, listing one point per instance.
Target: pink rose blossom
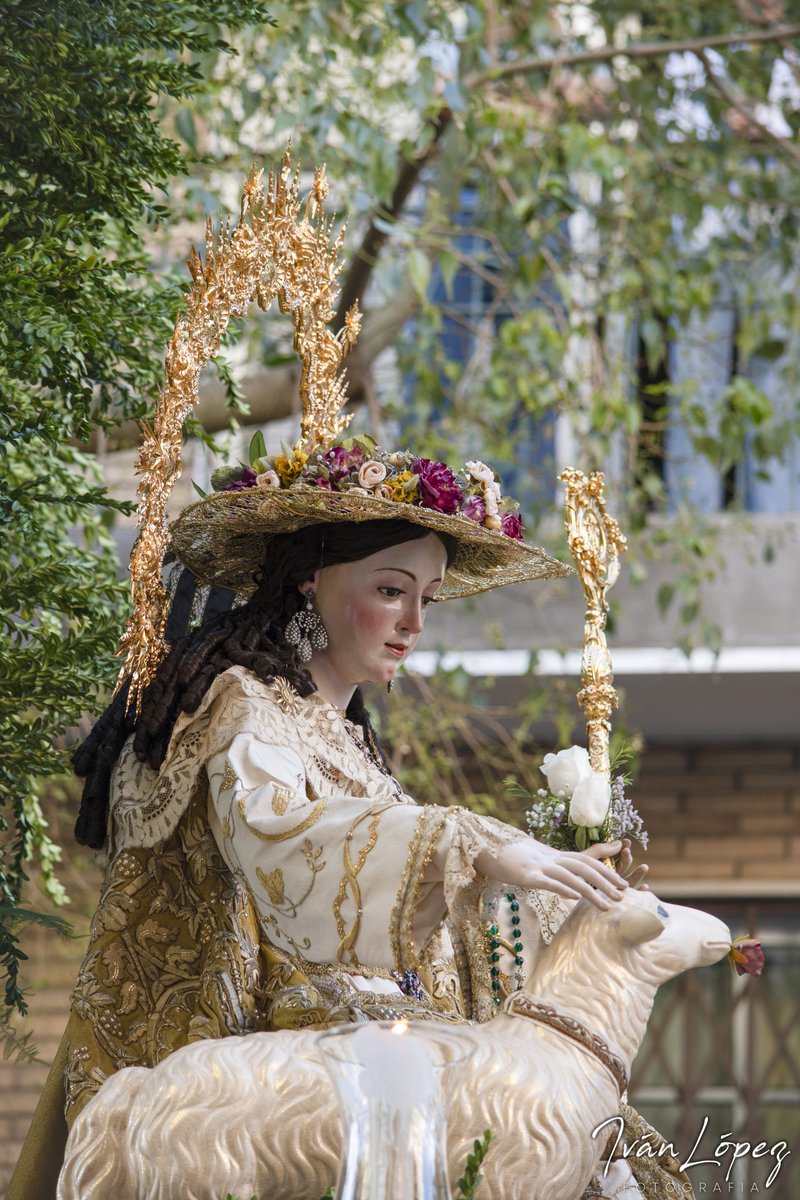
(511, 526)
(475, 509)
(438, 486)
(747, 956)
(371, 474)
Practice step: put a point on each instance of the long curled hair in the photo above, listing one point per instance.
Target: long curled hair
(250, 636)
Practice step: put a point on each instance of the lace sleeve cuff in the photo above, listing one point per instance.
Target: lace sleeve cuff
(471, 834)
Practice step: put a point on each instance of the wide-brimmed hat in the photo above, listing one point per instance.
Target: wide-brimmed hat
(224, 538)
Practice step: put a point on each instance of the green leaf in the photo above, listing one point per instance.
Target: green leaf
(258, 447)
(419, 271)
(664, 597)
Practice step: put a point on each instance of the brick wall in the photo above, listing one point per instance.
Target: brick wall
(721, 822)
(726, 820)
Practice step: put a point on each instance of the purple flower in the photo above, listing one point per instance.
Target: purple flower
(340, 462)
(247, 480)
(475, 508)
(511, 526)
(323, 483)
(438, 487)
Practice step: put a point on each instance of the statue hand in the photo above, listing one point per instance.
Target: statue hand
(573, 874)
(634, 875)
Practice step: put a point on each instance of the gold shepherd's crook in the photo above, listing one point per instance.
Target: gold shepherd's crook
(595, 542)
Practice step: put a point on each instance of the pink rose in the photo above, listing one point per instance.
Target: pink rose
(747, 956)
(268, 480)
(475, 509)
(512, 526)
(438, 486)
(371, 474)
(383, 492)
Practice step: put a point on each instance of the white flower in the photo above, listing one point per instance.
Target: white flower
(268, 479)
(480, 472)
(490, 500)
(371, 474)
(563, 770)
(590, 801)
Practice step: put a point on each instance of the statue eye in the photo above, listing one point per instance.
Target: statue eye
(662, 912)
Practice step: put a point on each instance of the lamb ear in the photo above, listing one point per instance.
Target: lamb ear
(638, 925)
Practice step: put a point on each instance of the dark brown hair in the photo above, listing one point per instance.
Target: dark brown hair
(250, 636)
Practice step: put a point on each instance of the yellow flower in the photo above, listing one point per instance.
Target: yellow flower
(400, 487)
(289, 468)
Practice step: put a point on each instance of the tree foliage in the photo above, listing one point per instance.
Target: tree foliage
(602, 177)
(84, 170)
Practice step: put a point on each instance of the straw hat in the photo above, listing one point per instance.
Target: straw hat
(224, 538)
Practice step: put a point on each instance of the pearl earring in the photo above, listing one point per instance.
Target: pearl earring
(306, 630)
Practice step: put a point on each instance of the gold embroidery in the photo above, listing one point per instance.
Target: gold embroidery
(273, 884)
(173, 956)
(550, 911)
(311, 819)
(281, 799)
(312, 856)
(229, 777)
(422, 847)
(350, 881)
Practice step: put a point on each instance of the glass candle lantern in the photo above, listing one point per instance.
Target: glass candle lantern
(388, 1076)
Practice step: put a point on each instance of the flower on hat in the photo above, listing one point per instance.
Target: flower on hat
(404, 487)
(268, 479)
(289, 469)
(480, 472)
(340, 461)
(246, 480)
(474, 507)
(371, 474)
(512, 526)
(358, 466)
(438, 486)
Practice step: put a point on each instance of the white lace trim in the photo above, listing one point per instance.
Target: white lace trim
(146, 805)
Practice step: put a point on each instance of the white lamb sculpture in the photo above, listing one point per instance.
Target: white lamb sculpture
(257, 1115)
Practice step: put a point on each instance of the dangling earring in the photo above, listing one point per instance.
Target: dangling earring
(306, 630)
(390, 685)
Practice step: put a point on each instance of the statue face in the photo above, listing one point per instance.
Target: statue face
(374, 609)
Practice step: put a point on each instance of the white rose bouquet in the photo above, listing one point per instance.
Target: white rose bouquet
(579, 806)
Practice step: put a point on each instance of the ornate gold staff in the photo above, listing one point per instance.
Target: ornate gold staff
(595, 542)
